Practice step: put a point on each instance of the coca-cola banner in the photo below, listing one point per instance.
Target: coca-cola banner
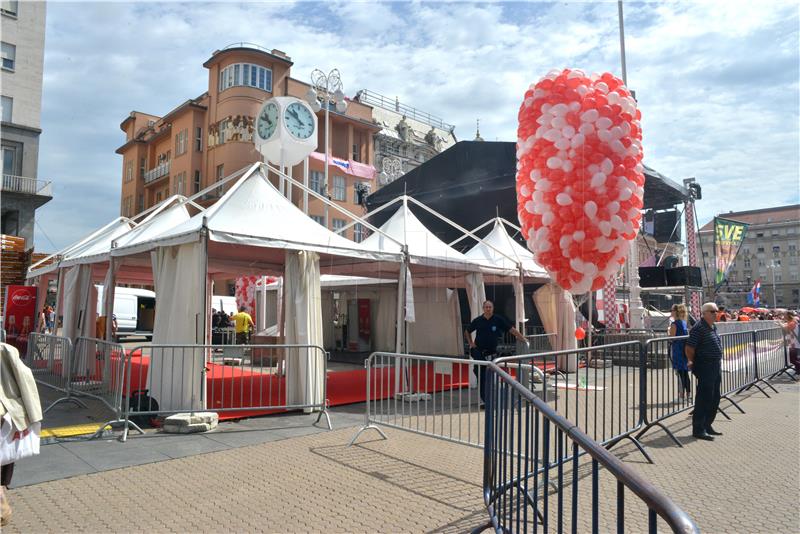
(19, 315)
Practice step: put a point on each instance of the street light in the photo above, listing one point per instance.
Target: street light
(774, 298)
(326, 89)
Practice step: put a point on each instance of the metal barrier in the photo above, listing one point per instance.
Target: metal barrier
(49, 358)
(428, 395)
(169, 379)
(598, 388)
(670, 391)
(534, 461)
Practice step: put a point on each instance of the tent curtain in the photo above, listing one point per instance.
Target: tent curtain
(437, 329)
(176, 378)
(328, 315)
(557, 312)
(385, 321)
(519, 303)
(79, 310)
(305, 368)
(476, 294)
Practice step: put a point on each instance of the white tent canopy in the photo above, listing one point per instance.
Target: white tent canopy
(498, 241)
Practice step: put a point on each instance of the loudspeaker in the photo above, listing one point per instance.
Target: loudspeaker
(685, 276)
(652, 277)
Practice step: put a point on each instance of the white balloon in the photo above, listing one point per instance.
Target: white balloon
(604, 123)
(536, 174)
(605, 227)
(568, 166)
(602, 87)
(625, 194)
(613, 98)
(576, 265)
(558, 122)
(590, 115)
(607, 166)
(552, 135)
(586, 129)
(560, 109)
(616, 223)
(594, 168)
(562, 143)
(617, 146)
(590, 209)
(565, 241)
(574, 106)
(538, 196)
(554, 162)
(616, 132)
(525, 191)
(547, 218)
(544, 185)
(563, 199)
(604, 135)
(579, 236)
(568, 131)
(529, 206)
(597, 180)
(577, 140)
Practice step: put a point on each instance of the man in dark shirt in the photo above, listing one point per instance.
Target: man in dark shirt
(488, 328)
(704, 355)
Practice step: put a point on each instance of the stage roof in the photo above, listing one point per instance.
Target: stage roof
(474, 181)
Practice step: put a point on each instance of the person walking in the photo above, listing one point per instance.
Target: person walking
(704, 355)
(20, 414)
(488, 328)
(792, 329)
(243, 323)
(679, 363)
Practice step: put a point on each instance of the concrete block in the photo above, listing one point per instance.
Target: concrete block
(186, 423)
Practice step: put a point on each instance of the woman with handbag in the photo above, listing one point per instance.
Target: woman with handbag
(20, 419)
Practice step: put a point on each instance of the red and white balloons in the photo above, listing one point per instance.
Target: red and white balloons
(579, 175)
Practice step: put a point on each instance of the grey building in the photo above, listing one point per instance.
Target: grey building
(408, 136)
(23, 27)
(768, 253)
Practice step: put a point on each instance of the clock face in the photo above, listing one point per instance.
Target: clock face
(267, 121)
(299, 120)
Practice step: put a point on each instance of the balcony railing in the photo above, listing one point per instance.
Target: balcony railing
(157, 172)
(30, 186)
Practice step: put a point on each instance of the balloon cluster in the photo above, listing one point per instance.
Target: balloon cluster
(579, 175)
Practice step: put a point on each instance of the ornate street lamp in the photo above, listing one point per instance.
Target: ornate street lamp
(326, 90)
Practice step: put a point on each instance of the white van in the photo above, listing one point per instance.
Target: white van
(135, 310)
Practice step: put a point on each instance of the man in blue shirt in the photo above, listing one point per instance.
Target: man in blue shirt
(488, 328)
(704, 355)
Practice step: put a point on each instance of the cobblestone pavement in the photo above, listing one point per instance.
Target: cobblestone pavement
(746, 481)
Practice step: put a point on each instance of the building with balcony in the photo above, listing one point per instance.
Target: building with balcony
(22, 35)
(407, 138)
(769, 253)
(207, 138)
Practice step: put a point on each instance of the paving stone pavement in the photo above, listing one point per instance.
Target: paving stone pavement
(746, 481)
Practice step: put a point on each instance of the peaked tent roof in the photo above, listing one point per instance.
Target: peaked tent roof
(499, 240)
(86, 249)
(254, 213)
(172, 213)
(424, 248)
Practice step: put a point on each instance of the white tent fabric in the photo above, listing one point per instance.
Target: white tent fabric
(156, 223)
(557, 312)
(437, 329)
(176, 377)
(386, 320)
(80, 301)
(304, 367)
(499, 240)
(253, 213)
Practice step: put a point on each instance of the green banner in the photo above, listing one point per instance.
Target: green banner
(728, 237)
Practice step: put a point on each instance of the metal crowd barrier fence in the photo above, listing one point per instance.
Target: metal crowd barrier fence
(670, 391)
(598, 388)
(428, 395)
(49, 358)
(534, 463)
(245, 379)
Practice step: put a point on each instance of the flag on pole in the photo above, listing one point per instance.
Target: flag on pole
(754, 297)
(728, 237)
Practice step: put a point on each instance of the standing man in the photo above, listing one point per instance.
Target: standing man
(488, 327)
(243, 323)
(704, 355)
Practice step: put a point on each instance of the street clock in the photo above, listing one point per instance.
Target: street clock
(286, 130)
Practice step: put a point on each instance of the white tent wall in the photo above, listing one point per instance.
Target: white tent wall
(385, 338)
(437, 328)
(305, 368)
(79, 309)
(328, 315)
(557, 313)
(175, 378)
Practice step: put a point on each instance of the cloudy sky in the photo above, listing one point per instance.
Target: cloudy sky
(717, 83)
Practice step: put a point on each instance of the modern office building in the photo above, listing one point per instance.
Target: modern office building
(769, 253)
(207, 138)
(407, 138)
(22, 35)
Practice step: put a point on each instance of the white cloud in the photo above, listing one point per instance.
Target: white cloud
(717, 83)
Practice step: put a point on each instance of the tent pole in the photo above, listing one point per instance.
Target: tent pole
(108, 301)
(305, 185)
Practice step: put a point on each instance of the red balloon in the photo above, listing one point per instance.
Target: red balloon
(580, 333)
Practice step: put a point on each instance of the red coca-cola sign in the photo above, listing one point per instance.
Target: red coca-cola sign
(19, 315)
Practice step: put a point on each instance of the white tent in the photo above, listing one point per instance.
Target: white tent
(498, 249)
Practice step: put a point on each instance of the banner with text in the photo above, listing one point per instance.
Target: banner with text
(728, 237)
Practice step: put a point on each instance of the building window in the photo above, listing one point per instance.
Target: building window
(776, 263)
(129, 171)
(158, 197)
(759, 234)
(9, 7)
(356, 153)
(8, 104)
(776, 251)
(792, 250)
(705, 255)
(339, 188)
(9, 52)
(319, 219)
(358, 233)
(747, 262)
(198, 139)
(181, 141)
(142, 167)
(220, 176)
(778, 277)
(338, 224)
(180, 182)
(9, 160)
(196, 187)
(247, 75)
(315, 179)
(223, 125)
